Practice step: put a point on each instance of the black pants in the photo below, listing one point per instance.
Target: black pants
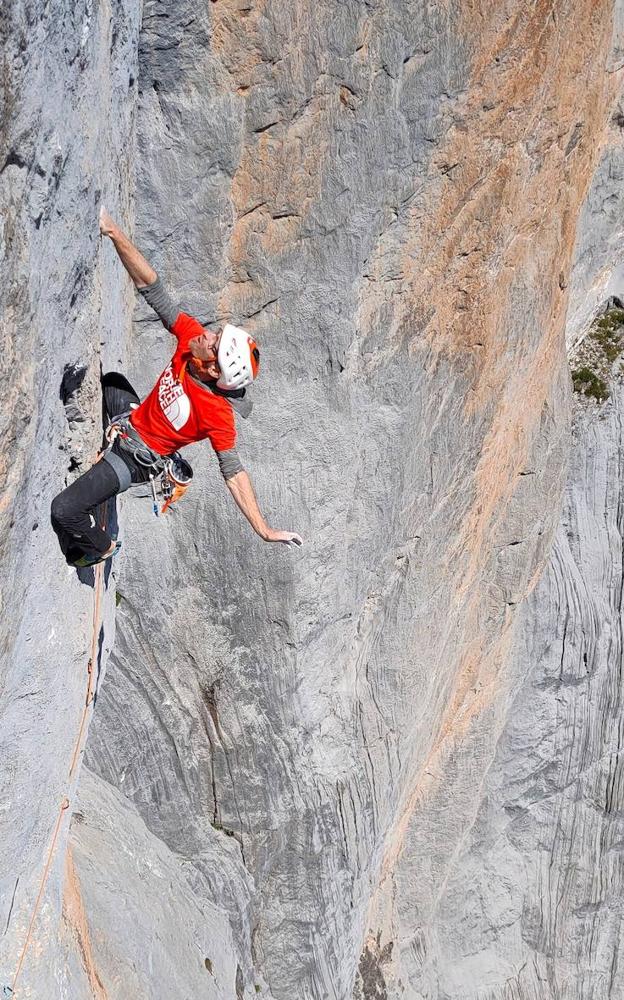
(76, 513)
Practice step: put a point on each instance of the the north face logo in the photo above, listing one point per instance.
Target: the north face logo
(178, 412)
(174, 403)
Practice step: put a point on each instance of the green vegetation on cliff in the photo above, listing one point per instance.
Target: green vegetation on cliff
(597, 354)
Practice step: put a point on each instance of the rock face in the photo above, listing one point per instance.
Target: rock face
(66, 140)
(531, 904)
(117, 872)
(598, 267)
(299, 769)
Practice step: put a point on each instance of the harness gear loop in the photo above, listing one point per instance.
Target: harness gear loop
(121, 430)
(154, 500)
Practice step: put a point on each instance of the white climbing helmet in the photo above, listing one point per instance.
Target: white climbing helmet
(238, 357)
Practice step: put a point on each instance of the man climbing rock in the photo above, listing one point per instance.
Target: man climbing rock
(195, 397)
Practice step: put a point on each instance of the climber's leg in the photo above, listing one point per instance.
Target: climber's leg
(118, 396)
(75, 517)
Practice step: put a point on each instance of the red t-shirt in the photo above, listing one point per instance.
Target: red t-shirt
(178, 411)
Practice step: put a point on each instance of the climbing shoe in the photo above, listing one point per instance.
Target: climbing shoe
(83, 561)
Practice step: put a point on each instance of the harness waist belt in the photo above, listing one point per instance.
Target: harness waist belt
(131, 441)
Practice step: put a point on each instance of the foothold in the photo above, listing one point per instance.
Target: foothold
(73, 377)
(14, 160)
(208, 965)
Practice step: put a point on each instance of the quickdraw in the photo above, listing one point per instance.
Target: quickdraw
(175, 480)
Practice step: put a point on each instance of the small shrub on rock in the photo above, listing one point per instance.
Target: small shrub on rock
(587, 382)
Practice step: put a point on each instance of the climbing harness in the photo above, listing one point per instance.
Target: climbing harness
(174, 473)
(121, 430)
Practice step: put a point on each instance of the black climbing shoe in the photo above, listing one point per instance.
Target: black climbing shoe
(84, 561)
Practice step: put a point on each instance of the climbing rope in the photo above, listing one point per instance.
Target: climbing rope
(9, 991)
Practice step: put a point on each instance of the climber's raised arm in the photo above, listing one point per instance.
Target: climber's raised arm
(141, 271)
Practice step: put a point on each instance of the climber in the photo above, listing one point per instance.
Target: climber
(194, 398)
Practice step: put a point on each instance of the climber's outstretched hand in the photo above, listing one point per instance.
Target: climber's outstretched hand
(286, 537)
(139, 269)
(241, 489)
(107, 223)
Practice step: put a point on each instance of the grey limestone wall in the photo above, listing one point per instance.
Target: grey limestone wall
(531, 902)
(66, 140)
(289, 755)
(276, 717)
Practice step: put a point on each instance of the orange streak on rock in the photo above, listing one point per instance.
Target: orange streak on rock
(504, 178)
(501, 211)
(235, 36)
(75, 919)
(476, 685)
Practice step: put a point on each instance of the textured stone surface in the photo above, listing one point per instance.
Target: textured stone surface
(599, 266)
(388, 194)
(66, 136)
(131, 914)
(531, 904)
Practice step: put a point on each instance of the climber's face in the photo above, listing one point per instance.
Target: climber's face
(204, 349)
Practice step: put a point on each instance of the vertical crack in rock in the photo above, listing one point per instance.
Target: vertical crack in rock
(76, 922)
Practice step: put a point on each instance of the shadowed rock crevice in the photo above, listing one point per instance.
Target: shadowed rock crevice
(370, 983)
